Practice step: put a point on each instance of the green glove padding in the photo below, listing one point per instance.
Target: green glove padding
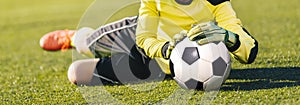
(209, 32)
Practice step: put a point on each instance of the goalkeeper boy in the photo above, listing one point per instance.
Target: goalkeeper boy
(144, 43)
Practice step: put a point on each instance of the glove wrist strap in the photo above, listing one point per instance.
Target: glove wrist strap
(164, 50)
(235, 45)
(230, 39)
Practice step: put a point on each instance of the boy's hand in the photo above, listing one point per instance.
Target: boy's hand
(209, 32)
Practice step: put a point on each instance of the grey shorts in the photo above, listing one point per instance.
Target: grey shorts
(116, 37)
(120, 59)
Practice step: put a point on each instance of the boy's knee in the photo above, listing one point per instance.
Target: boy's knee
(81, 72)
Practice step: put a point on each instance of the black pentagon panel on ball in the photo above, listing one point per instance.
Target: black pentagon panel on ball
(219, 67)
(194, 84)
(216, 42)
(190, 55)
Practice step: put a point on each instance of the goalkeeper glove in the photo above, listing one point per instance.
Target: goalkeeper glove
(209, 32)
(169, 46)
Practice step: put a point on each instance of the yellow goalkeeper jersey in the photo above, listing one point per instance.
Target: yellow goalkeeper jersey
(160, 20)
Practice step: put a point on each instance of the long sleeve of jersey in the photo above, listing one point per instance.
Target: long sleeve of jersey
(146, 34)
(245, 49)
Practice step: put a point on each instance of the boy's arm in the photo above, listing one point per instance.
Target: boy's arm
(246, 47)
(146, 33)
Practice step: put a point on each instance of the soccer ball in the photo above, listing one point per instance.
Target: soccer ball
(201, 67)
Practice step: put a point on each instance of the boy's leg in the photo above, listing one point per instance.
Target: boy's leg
(121, 60)
(116, 37)
(81, 71)
(119, 68)
(133, 67)
(81, 39)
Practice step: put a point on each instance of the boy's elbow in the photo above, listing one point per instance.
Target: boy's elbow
(252, 55)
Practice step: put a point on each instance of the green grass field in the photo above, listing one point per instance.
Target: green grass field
(29, 75)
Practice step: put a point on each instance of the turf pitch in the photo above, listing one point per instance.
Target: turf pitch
(30, 75)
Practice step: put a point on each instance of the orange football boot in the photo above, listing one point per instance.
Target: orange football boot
(57, 40)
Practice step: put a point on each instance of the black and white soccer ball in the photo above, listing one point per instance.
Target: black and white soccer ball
(203, 67)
